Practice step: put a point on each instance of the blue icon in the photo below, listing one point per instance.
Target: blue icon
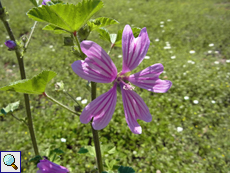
(9, 160)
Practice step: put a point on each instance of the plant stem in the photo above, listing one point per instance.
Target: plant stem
(95, 132)
(19, 119)
(60, 104)
(64, 91)
(31, 33)
(78, 45)
(23, 76)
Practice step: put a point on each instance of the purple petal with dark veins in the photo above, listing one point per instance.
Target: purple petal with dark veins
(97, 67)
(102, 109)
(135, 108)
(149, 79)
(134, 49)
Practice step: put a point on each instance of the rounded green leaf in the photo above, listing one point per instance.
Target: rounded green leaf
(68, 17)
(36, 85)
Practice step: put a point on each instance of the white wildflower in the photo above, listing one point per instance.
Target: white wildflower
(147, 57)
(179, 129)
(195, 101)
(84, 101)
(78, 98)
(173, 57)
(186, 97)
(63, 140)
(192, 51)
(167, 47)
(211, 45)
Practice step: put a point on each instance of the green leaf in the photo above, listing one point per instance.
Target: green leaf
(113, 150)
(83, 150)
(36, 159)
(91, 150)
(108, 149)
(101, 22)
(34, 2)
(36, 85)
(110, 164)
(104, 34)
(55, 29)
(68, 17)
(123, 169)
(57, 151)
(10, 108)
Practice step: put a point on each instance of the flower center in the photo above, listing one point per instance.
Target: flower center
(120, 79)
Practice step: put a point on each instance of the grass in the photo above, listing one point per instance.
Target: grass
(203, 145)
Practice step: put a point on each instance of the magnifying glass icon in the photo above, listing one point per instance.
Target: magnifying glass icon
(9, 160)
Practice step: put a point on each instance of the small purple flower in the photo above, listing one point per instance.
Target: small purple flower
(44, 2)
(98, 67)
(10, 44)
(46, 166)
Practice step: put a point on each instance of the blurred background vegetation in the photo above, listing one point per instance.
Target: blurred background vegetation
(189, 37)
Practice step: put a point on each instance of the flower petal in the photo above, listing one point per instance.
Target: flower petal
(134, 49)
(149, 79)
(97, 67)
(134, 108)
(46, 166)
(102, 109)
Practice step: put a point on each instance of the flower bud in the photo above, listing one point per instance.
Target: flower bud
(10, 44)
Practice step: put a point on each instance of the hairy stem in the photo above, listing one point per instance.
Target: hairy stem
(60, 104)
(78, 45)
(23, 76)
(95, 132)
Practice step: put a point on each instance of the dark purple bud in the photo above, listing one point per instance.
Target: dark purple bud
(10, 44)
(44, 2)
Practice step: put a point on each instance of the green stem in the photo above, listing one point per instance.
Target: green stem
(111, 47)
(19, 119)
(71, 97)
(60, 104)
(78, 45)
(95, 132)
(31, 33)
(23, 76)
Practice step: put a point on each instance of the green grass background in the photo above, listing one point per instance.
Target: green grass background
(203, 145)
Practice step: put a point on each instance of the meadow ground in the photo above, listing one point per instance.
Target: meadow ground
(189, 37)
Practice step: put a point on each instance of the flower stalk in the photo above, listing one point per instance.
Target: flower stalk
(95, 132)
(23, 76)
(60, 104)
(78, 44)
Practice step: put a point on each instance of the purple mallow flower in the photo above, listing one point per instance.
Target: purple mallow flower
(46, 166)
(98, 67)
(44, 2)
(10, 44)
